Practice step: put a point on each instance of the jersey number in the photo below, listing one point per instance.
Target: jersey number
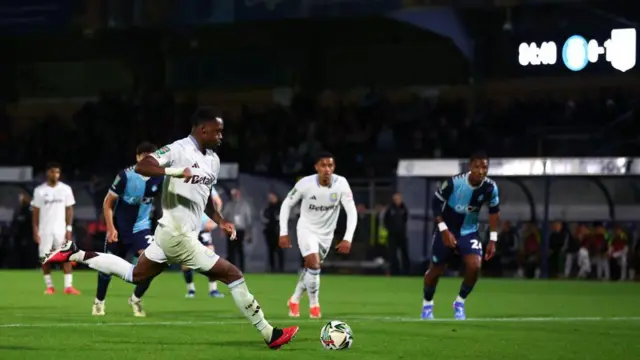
(475, 244)
(149, 238)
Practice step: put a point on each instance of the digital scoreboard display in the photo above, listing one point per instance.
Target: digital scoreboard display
(578, 52)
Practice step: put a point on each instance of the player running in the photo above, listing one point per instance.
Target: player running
(127, 210)
(207, 226)
(321, 195)
(52, 223)
(191, 168)
(456, 206)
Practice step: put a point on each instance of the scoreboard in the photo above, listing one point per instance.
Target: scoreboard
(577, 52)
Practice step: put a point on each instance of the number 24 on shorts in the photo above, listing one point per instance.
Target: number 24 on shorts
(149, 239)
(475, 244)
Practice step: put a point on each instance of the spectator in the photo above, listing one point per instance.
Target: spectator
(239, 212)
(599, 251)
(395, 221)
(619, 250)
(570, 249)
(270, 216)
(557, 239)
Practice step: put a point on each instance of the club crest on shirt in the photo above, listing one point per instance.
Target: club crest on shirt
(163, 150)
(333, 197)
(480, 197)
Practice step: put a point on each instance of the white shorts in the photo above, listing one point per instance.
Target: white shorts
(49, 242)
(173, 247)
(310, 243)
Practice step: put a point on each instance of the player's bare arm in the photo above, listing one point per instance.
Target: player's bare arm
(68, 214)
(217, 217)
(35, 221)
(217, 203)
(149, 166)
(108, 205)
(344, 246)
(294, 196)
(494, 222)
(439, 200)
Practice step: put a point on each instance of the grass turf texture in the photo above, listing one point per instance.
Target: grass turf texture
(509, 319)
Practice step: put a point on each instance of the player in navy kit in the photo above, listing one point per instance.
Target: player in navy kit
(456, 205)
(127, 210)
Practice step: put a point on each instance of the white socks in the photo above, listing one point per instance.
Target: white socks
(250, 308)
(213, 286)
(191, 287)
(459, 300)
(312, 283)
(300, 288)
(108, 264)
(47, 281)
(68, 280)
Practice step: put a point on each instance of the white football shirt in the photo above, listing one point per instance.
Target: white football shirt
(320, 206)
(52, 201)
(184, 201)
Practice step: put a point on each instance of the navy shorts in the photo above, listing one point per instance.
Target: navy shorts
(130, 244)
(469, 244)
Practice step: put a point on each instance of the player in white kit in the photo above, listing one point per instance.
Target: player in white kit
(52, 223)
(321, 196)
(191, 169)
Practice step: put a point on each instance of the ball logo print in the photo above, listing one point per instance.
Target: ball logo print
(336, 335)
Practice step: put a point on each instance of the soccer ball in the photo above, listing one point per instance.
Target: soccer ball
(336, 335)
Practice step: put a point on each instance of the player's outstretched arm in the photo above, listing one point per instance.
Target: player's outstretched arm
(159, 164)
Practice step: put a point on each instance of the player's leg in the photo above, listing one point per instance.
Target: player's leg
(294, 300)
(104, 280)
(440, 255)
(471, 252)
(67, 268)
(188, 279)
(150, 264)
(213, 284)
(45, 245)
(310, 279)
(229, 274)
(139, 242)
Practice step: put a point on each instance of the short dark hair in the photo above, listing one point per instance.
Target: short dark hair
(322, 155)
(479, 155)
(53, 165)
(203, 115)
(145, 147)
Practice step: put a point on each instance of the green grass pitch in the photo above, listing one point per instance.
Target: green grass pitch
(509, 319)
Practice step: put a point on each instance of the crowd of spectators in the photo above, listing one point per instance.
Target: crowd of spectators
(367, 137)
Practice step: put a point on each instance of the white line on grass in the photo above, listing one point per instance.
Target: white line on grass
(289, 320)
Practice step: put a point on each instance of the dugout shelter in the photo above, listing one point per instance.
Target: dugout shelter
(531, 190)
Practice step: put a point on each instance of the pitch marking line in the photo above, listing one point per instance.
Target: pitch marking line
(353, 319)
